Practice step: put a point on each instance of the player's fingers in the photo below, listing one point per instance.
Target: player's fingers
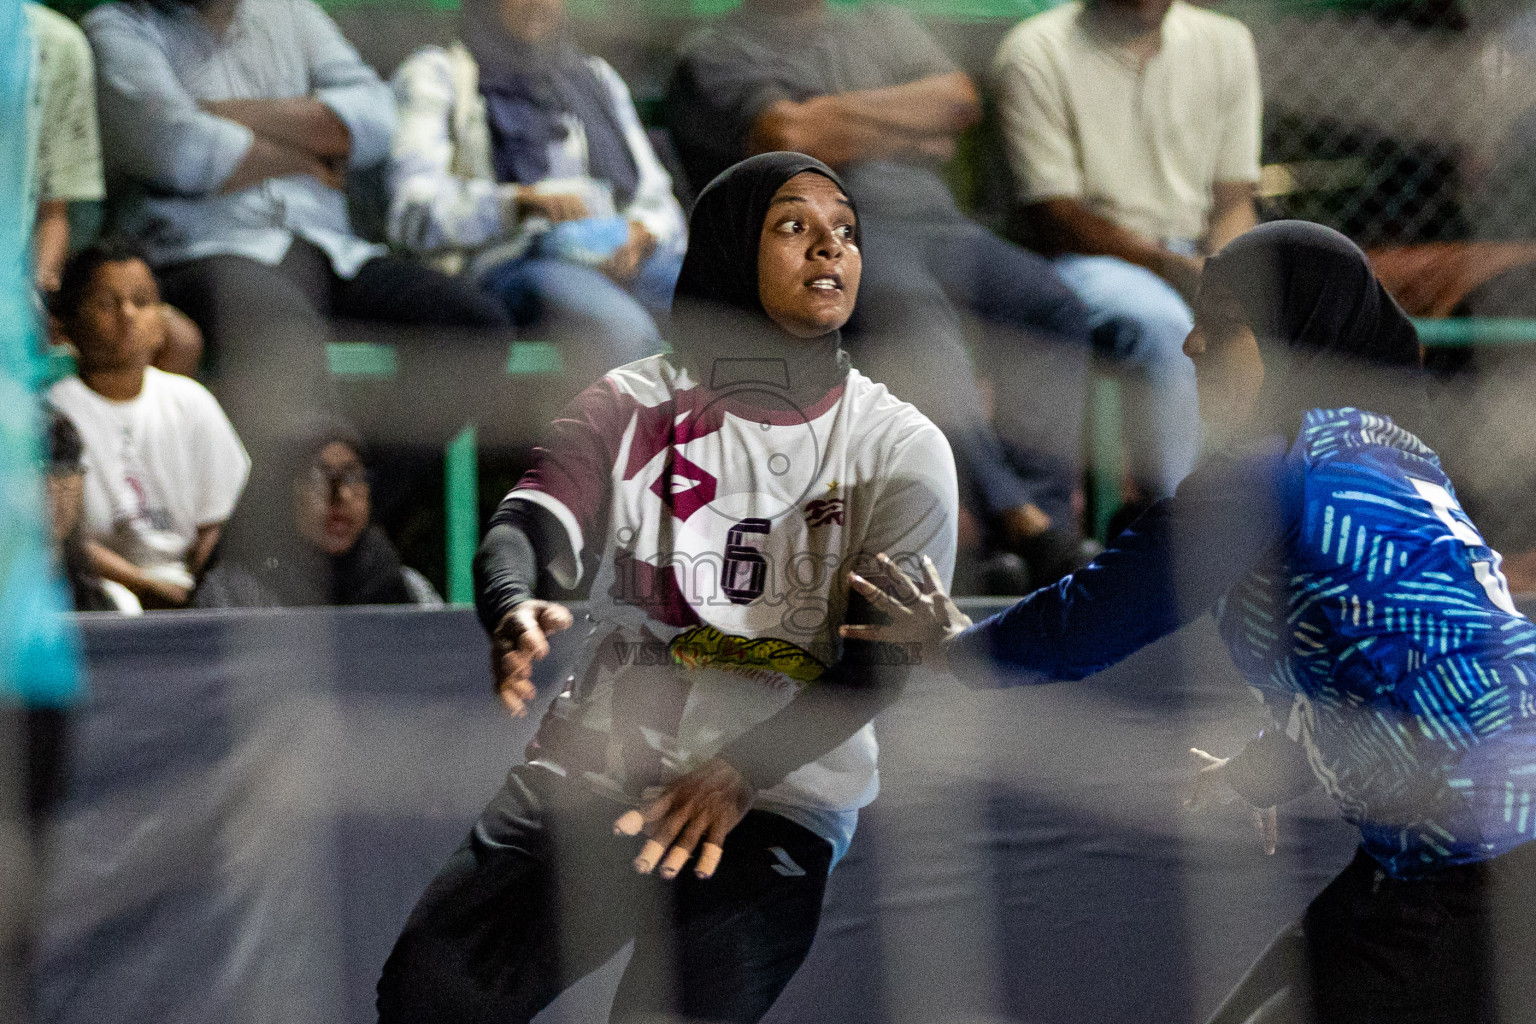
(629, 824)
(666, 830)
(530, 639)
(862, 632)
(650, 853)
(1200, 796)
(713, 848)
(513, 665)
(1209, 760)
(554, 618)
(657, 808)
(683, 848)
(709, 859)
(906, 590)
(513, 702)
(1269, 828)
(877, 597)
(933, 584)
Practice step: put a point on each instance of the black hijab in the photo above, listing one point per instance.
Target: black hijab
(290, 570)
(1330, 334)
(721, 326)
(527, 87)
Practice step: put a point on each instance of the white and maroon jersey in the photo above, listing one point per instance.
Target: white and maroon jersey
(724, 523)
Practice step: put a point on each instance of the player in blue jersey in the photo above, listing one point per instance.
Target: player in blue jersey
(1357, 597)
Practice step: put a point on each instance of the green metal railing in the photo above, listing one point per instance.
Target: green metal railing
(359, 360)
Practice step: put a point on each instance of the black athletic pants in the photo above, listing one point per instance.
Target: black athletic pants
(1458, 947)
(542, 893)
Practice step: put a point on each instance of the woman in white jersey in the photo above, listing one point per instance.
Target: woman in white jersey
(716, 497)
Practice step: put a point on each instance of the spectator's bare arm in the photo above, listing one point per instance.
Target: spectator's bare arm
(918, 118)
(267, 159)
(939, 105)
(300, 122)
(1232, 213)
(154, 593)
(50, 242)
(202, 547)
(1068, 225)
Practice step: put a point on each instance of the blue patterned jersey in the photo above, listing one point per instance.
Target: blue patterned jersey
(1355, 594)
(1386, 641)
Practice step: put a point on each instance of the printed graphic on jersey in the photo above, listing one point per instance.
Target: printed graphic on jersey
(763, 659)
(744, 573)
(824, 512)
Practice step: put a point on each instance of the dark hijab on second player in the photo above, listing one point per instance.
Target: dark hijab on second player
(1329, 333)
(721, 325)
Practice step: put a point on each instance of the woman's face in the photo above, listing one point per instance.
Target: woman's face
(1229, 370)
(532, 21)
(119, 324)
(331, 501)
(808, 267)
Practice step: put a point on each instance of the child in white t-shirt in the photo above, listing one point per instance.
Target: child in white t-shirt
(164, 467)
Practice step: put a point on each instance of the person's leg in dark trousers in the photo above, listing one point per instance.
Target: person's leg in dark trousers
(724, 948)
(1453, 947)
(1034, 345)
(543, 893)
(265, 331)
(540, 895)
(392, 290)
(906, 335)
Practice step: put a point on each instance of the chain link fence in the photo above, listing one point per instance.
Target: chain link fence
(1401, 125)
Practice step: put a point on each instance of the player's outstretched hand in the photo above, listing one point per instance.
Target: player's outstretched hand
(520, 639)
(696, 811)
(920, 614)
(1211, 788)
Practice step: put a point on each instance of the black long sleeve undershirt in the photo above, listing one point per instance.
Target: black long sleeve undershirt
(868, 678)
(521, 538)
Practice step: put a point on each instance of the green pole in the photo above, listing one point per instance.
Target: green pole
(461, 470)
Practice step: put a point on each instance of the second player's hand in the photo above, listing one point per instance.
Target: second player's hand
(696, 811)
(520, 639)
(920, 614)
(1212, 788)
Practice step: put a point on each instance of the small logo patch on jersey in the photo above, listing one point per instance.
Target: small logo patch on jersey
(824, 512)
(786, 865)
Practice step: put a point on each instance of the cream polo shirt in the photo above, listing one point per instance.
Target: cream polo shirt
(1140, 145)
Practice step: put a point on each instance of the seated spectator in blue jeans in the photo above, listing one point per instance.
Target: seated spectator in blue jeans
(869, 92)
(305, 537)
(229, 127)
(164, 468)
(520, 162)
(1133, 132)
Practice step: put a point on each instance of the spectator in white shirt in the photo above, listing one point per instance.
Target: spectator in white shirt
(163, 467)
(521, 162)
(1133, 133)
